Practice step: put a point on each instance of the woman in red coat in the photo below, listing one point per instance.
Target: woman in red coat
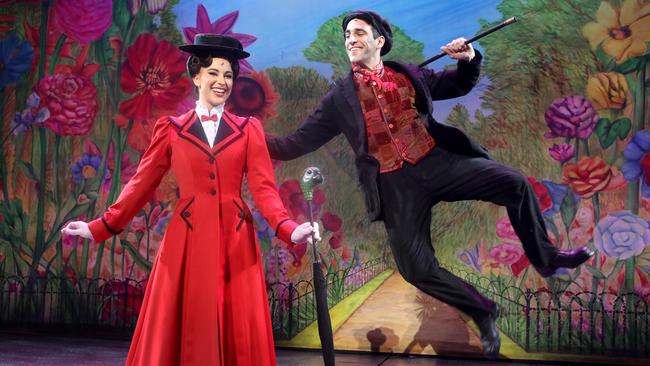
(206, 301)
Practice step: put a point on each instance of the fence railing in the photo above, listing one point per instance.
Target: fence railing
(538, 320)
(569, 322)
(115, 304)
(292, 304)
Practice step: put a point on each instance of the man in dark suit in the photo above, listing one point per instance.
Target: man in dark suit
(407, 162)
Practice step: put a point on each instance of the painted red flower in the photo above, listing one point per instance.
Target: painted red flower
(83, 20)
(80, 67)
(33, 35)
(346, 253)
(519, 265)
(331, 221)
(294, 200)
(122, 301)
(223, 26)
(153, 72)
(542, 194)
(336, 240)
(140, 135)
(253, 95)
(72, 102)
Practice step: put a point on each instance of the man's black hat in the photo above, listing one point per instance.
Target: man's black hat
(215, 44)
(376, 21)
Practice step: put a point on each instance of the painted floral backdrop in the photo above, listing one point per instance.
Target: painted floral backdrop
(563, 98)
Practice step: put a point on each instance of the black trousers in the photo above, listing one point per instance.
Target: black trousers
(407, 196)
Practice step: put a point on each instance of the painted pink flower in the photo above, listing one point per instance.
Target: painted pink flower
(223, 26)
(72, 102)
(505, 229)
(506, 253)
(83, 20)
(562, 152)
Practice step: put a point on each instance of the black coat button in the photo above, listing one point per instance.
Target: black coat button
(212, 176)
(211, 160)
(187, 214)
(213, 191)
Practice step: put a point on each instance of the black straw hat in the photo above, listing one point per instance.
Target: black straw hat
(210, 44)
(376, 21)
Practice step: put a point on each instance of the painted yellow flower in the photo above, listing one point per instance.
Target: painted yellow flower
(623, 33)
(608, 90)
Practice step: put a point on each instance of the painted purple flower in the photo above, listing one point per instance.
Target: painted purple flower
(264, 231)
(573, 116)
(470, 257)
(223, 26)
(637, 161)
(85, 168)
(622, 235)
(558, 192)
(562, 152)
(162, 223)
(24, 120)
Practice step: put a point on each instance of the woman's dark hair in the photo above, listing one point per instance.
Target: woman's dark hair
(196, 62)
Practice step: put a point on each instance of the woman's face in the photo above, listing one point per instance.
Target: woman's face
(214, 82)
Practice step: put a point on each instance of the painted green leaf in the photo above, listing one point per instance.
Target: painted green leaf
(608, 132)
(568, 209)
(28, 169)
(136, 255)
(628, 66)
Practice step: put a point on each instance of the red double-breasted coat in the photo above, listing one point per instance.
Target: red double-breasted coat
(206, 301)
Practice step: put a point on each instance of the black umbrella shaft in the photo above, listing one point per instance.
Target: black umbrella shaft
(323, 315)
(313, 236)
(320, 295)
(476, 37)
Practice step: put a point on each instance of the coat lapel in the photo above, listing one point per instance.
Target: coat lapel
(352, 102)
(230, 129)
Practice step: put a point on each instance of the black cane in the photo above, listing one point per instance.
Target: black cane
(310, 179)
(476, 37)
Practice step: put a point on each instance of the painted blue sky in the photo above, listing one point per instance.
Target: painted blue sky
(284, 31)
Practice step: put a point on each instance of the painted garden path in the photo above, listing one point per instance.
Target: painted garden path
(398, 318)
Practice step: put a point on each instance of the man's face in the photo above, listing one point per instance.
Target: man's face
(360, 43)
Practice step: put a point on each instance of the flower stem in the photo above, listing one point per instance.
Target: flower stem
(42, 153)
(57, 51)
(596, 204)
(633, 188)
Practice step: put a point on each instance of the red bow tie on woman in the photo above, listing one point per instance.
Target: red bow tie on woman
(213, 117)
(370, 75)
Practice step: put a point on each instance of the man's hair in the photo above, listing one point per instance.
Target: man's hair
(379, 25)
(196, 62)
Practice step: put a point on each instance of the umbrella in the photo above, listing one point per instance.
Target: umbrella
(310, 178)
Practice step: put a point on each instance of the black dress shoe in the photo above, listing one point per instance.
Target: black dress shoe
(490, 339)
(566, 259)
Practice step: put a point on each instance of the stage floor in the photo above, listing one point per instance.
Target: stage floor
(54, 350)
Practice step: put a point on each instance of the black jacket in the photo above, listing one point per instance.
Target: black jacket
(340, 112)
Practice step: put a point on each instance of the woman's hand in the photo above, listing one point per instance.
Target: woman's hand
(77, 228)
(302, 233)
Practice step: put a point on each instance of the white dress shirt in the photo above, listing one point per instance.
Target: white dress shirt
(210, 127)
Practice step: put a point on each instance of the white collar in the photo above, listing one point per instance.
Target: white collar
(203, 111)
